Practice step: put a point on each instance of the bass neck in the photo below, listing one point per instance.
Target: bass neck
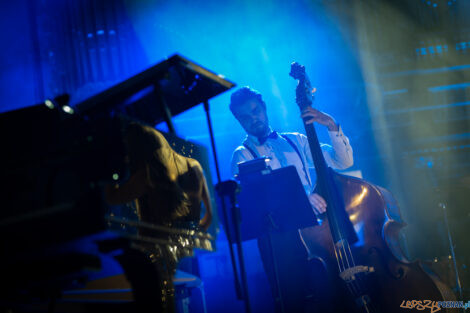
(340, 226)
(319, 161)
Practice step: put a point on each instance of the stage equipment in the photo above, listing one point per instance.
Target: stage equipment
(443, 206)
(266, 202)
(267, 199)
(56, 160)
(262, 204)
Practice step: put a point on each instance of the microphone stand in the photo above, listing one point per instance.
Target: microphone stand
(443, 206)
(228, 188)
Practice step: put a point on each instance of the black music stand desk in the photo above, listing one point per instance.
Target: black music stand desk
(271, 202)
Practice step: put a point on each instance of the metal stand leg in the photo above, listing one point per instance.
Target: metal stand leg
(241, 290)
(452, 252)
(165, 110)
(203, 297)
(241, 262)
(442, 205)
(276, 272)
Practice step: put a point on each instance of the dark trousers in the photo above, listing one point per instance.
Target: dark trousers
(301, 284)
(147, 279)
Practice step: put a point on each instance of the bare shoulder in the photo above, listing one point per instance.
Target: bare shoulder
(195, 166)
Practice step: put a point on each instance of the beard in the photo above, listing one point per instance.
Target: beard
(259, 130)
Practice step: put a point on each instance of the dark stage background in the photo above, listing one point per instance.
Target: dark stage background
(394, 74)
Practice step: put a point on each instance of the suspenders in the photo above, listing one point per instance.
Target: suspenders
(253, 153)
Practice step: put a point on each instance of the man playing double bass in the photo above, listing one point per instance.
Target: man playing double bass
(296, 275)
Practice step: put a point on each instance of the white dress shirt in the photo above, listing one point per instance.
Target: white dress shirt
(339, 155)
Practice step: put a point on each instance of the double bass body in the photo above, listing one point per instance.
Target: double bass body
(377, 220)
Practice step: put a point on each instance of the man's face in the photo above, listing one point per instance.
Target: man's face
(253, 118)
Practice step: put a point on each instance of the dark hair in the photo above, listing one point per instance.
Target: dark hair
(149, 149)
(243, 95)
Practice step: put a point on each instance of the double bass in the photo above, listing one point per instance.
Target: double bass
(358, 241)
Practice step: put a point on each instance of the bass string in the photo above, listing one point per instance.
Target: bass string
(341, 267)
(348, 256)
(348, 253)
(356, 286)
(360, 283)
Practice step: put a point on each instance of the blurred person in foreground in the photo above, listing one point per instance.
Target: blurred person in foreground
(167, 189)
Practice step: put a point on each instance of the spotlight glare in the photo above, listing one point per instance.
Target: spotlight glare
(67, 109)
(49, 104)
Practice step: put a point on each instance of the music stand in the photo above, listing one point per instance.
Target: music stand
(275, 201)
(270, 201)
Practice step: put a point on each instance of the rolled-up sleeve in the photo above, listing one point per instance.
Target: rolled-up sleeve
(341, 156)
(338, 155)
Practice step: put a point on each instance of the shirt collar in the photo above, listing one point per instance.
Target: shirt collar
(254, 140)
